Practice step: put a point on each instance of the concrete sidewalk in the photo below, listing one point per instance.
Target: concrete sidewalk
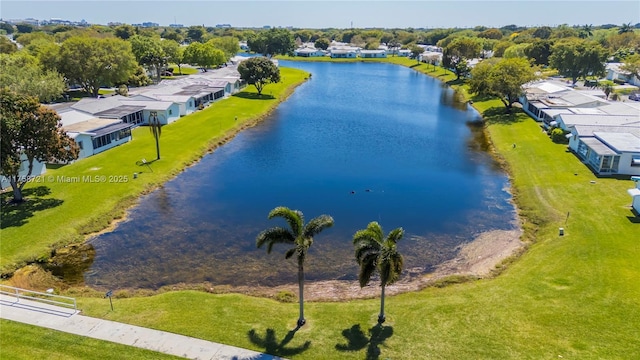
(69, 321)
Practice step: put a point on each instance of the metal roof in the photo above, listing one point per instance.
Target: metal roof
(597, 146)
(120, 111)
(622, 142)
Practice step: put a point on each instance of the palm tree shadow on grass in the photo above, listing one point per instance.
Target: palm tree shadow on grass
(271, 345)
(357, 340)
(16, 214)
(254, 96)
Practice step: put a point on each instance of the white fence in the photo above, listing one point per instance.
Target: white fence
(46, 298)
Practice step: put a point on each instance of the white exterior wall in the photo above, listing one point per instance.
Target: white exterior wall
(636, 203)
(163, 115)
(574, 141)
(625, 168)
(112, 145)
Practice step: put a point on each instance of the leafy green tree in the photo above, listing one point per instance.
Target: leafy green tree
(304, 35)
(322, 44)
(29, 130)
(228, 44)
(26, 39)
(25, 28)
(416, 51)
(374, 253)
(631, 65)
(172, 34)
(273, 42)
(173, 52)
(500, 47)
(491, 34)
(124, 31)
(7, 46)
(299, 235)
(139, 78)
(543, 32)
(577, 58)
(456, 53)
(517, 50)
(92, 62)
(149, 53)
(502, 78)
(259, 71)
(564, 31)
(23, 74)
(195, 33)
(539, 52)
(7, 27)
(203, 55)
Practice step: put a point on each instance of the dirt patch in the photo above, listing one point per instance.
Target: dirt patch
(477, 259)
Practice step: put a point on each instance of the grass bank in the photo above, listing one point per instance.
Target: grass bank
(64, 205)
(575, 296)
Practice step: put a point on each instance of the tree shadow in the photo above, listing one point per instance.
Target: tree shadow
(271, 345)
(16, 214)
(455, 82)
(254, 96)
(501, 115)
(357, 340)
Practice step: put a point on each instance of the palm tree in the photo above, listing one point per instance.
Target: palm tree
(586, 31)
(374, 252)
(607, 89)
(625, 28)
(156, 130)
(299, 235)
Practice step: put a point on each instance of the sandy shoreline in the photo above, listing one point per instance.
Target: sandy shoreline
(476, 259)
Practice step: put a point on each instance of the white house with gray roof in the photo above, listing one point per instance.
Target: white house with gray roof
(94, 135)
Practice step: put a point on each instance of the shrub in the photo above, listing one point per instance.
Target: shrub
(557, 136)
(285, 296)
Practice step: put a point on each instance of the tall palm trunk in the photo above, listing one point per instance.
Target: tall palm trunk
(301, 320)
(381, 317)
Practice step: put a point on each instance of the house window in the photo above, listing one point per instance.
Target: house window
(80, 145)
(169, 111)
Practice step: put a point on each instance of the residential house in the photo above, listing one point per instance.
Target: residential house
(310, 52)
(94, 135)
(373, 54)
(111, 108)
(343, 53)
(614, 73)
(166, 111)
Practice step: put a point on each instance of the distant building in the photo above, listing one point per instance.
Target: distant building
(223, 26)
(176, 25)
(150, 24)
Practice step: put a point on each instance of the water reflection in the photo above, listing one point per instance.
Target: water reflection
(355, 127)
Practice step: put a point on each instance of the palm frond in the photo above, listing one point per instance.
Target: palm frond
(316, 225)
(366, 250)
(366, 271)
(294, 218)
(376, 229)
(395, 235)
(290, 253)
(274, 235)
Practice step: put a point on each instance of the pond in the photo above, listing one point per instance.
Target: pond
(359, 141)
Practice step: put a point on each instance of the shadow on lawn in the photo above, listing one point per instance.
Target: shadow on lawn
(16, 214)
(271, 345)
(499, 115)
(254, 96)
(357, 340)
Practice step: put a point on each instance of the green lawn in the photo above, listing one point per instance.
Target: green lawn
(186, 70)
(19, 341)
(60, 212)
(575, 296)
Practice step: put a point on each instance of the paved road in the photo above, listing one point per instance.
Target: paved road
(68, 320)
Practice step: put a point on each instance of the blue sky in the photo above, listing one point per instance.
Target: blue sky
(338, 14)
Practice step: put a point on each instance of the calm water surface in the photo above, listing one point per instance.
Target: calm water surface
(396, 138)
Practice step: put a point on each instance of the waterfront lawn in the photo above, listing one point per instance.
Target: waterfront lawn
(63, 205)
(574, 296)
(20, 341)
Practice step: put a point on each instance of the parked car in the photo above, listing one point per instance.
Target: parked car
(634, 97)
